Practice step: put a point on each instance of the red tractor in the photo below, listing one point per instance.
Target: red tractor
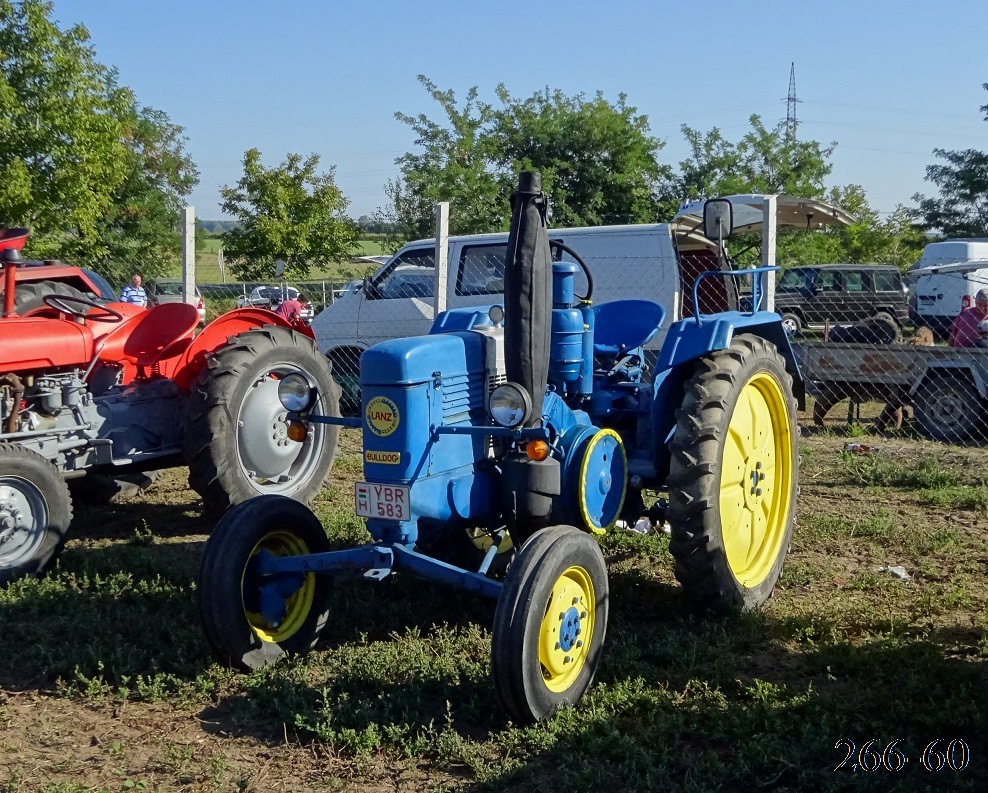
(88, 387)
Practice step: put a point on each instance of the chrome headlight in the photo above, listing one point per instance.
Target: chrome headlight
(295, 393)
(509, 405)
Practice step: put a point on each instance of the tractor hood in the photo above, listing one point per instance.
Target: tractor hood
(791, 213)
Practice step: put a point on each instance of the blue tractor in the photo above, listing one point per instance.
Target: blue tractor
(519, 433)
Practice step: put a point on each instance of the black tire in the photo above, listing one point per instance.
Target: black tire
(710, 463)
(31, 296)
(35, 513)
(890, 328)
(792, 324)
(234, 403)
(527, 620)
(238, 636)
(949, 408)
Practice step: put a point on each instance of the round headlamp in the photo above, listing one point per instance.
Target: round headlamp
(509, 405)
(295, 393)
(496, 315)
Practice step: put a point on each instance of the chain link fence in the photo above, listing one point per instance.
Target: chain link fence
(875, 344)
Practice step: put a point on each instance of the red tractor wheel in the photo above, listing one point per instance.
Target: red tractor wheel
(236, 441)
(35, 512)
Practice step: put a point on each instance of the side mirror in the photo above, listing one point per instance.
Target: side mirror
(718, 219)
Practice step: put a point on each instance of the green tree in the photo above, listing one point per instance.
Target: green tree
(95, 177)
(291, 212)
(962, 208)
(869, 239)
(597, 160)
(763, 161)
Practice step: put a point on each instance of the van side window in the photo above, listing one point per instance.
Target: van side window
(830, 281)
(854, 281)
(886, 281)
(413, 274)
(481, 270)
(793, 279)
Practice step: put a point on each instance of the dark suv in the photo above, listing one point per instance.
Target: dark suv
(840, 293)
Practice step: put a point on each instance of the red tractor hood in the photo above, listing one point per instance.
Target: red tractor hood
(38, 343)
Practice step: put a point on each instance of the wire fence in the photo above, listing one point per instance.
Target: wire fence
(881, 351)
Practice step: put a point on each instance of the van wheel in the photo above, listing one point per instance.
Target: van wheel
(792, 324)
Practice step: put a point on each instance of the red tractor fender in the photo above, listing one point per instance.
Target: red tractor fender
(219, 332)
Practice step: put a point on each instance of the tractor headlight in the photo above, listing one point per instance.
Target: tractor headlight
(296, 393)
(509, 405)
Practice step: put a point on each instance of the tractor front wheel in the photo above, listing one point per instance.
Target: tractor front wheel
(35, 513)
(251, 619)
(236, 432)
(733, 476)
(31, 296)
(549, 624)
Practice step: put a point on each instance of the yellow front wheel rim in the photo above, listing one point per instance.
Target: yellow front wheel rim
(567, 628)
(757, 469)
(298, 605)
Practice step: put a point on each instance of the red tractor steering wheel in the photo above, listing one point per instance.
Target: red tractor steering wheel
(104, 313)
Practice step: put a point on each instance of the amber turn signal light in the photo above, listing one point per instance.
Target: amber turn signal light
(297, 431)
(537, 450)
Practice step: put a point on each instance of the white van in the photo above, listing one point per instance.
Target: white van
(643, 261)
(946, 279)
(655, 261)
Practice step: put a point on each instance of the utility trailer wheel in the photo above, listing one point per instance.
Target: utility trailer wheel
(948, 408)
(733, 476)
(549, 624)
(236, 440)
(35, 513)
(230, 591)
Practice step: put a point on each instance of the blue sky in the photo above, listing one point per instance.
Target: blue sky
(889, 81)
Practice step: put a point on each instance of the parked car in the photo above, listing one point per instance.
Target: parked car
(170, 291)
(271, 297)
(840, 293)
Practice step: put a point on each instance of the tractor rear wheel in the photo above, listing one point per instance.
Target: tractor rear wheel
(733, 476)
(549, 624)
(234, 595)
(35, 513)
(28, 297)
(236, 442)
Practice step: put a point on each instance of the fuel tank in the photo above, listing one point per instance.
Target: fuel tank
(36, 343)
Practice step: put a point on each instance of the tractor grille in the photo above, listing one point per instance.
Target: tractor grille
(463, 395)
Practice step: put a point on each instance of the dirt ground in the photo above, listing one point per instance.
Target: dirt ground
(75, 745)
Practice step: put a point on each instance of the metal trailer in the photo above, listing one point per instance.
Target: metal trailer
(946, 386)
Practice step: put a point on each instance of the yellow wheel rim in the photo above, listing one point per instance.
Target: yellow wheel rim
(298, 605)
(601, 488)
(567, 628)
(482, 540)
(756, 479)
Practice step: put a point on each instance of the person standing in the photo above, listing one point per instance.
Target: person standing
(291, 310)
(134, 293)
(964, 330)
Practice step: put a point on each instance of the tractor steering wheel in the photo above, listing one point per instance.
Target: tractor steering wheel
(104, 313)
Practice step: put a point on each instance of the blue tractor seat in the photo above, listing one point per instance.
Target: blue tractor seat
(623, 325)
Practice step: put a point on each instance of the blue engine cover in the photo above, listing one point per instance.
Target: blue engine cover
(411, 386)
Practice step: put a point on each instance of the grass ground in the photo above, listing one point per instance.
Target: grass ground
(107, 683)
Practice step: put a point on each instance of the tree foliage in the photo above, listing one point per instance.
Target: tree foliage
(96, 177)
(962, 207)
(763, 161)
(291, 212)
(597, 160)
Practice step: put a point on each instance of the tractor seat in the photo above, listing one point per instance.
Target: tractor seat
(623, 325)
(161, 332)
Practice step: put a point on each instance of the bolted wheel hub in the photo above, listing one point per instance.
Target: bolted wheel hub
(262, 432)
(23, 518)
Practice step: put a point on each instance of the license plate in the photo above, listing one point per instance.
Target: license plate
(389, 502)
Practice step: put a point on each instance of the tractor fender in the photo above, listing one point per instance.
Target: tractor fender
(219, 332)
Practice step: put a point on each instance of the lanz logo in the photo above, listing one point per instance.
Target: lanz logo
(383, 458)
(382, 416)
